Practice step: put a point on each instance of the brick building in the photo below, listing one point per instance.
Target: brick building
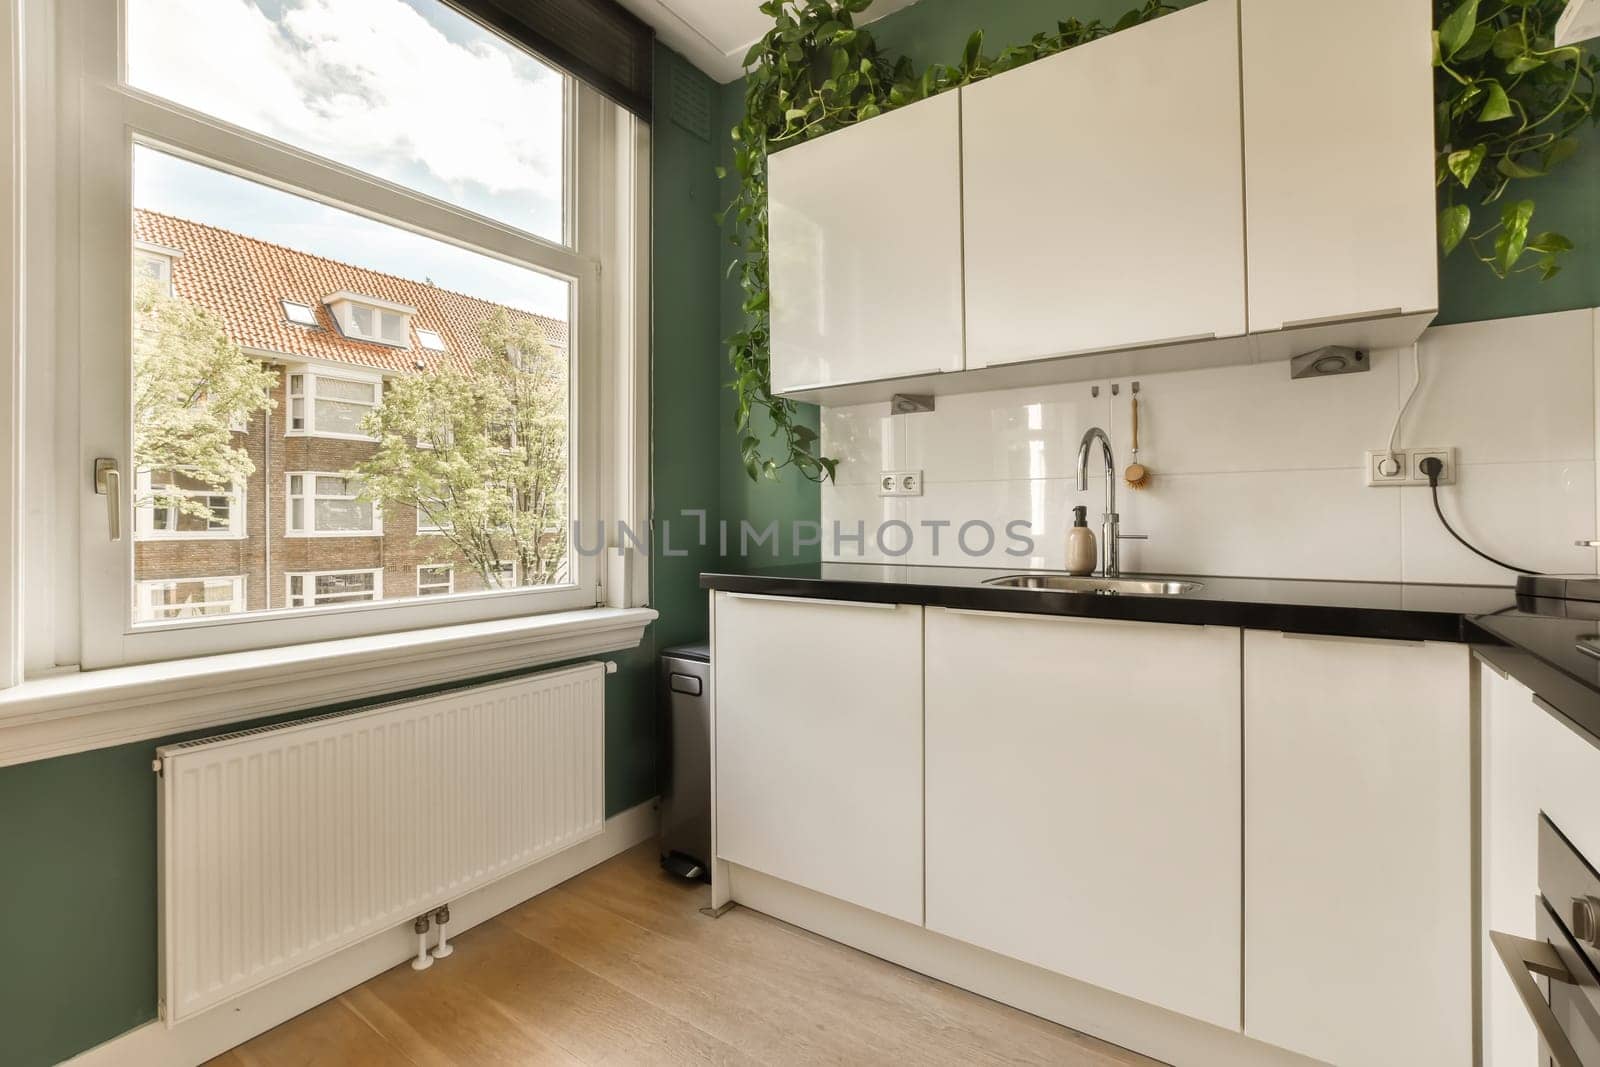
(295, 535)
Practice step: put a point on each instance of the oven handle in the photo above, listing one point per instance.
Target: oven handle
(1523, 958)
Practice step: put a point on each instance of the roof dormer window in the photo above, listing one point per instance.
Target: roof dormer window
(153, 262)
(430, 340)
(366, 318)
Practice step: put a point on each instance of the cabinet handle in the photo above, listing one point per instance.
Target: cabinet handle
(1095, 350)
(930, 372)
(1523, 958)
(1343, 640)
(1334, 320)
(1081, 620)
(871, 604)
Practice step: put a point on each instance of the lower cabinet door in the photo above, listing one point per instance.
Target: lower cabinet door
(1083, 801)
(1358, 849)
(819, 746)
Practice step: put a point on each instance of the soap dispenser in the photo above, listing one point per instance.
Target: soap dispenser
(1080, 544)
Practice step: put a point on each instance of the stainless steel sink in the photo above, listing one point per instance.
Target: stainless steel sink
(1064, 583)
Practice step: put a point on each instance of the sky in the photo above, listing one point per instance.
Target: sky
(435, 103)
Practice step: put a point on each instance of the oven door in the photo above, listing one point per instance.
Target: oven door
(1560, 989)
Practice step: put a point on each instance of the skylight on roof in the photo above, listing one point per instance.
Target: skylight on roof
(301, 314)
(430, 340)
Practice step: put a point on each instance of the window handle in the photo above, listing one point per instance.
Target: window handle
(108, 483)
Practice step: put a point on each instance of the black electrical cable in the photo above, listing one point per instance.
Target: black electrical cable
(1432, 468)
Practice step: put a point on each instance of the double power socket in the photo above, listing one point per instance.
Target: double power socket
(1403, 466)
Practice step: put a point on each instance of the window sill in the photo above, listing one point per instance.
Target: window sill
(65, 713)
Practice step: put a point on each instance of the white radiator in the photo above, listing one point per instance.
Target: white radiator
(281, 845)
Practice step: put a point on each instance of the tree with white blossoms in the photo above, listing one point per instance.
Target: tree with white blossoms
(480, 452)
(191, 385)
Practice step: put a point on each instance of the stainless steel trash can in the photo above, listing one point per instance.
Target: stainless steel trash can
(686, 775)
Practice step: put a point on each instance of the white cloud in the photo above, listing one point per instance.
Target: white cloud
(372, 84)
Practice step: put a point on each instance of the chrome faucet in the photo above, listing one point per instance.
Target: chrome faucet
(1110, 531)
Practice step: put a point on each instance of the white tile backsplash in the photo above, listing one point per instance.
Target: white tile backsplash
(1255, 474)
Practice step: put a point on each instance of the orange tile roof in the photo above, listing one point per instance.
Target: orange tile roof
(245, 281)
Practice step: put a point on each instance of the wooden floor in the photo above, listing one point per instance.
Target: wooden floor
(617, 966)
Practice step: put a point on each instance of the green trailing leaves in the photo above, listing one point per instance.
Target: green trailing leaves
(812, 73)
(1508, 107)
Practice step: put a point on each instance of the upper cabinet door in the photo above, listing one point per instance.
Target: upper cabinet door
(1105, 194)
(1338, 135)
(865, 250)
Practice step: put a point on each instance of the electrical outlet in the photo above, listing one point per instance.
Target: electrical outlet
(1447, 456)
(1403, 466)
(1387, 468)
(900, 483)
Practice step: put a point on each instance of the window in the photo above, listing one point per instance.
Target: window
(175, 505)
(320, 589)
(299, 314)
(322, 405)
(504, 574)
(432, 516)
(189, 598)
(370, 319)
(154, 263)
(436, 580)
(329, 505)
(301, 167)
(430, 340)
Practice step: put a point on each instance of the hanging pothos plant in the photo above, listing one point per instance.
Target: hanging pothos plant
(815, 72)
(1508, 106)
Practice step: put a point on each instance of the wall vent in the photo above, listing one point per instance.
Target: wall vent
(690, 102)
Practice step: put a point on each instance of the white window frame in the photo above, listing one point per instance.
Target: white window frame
(342, 305)
(165, 255)
(309, 496)
(288, 316)
(428, 531)
(77, 591)
(450, 578)
(437, 344)
(144, 523)
(145, 612)
(309, 376)
(308, 581)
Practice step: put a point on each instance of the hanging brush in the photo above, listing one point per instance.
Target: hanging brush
(1137, 475)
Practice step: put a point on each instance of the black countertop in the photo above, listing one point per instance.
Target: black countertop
(1389, 610)
(1553, 648)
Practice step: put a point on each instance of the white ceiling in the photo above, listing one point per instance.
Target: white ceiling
(715, 34)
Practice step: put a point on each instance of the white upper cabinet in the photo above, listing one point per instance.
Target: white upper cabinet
(1105, 195)
(1083, 807)
(1338, 137)
(865, 239)
(1358, 849)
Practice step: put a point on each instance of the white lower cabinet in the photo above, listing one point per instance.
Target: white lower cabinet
(1083, 808)
(1358, 849)
(819, 746)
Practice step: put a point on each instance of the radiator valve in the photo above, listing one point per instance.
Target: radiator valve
(423, 960)
(443, 948)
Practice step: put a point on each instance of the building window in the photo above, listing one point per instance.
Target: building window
(504, 575)
(177, 505)
(299, 314)
(329, 505)
(430, 340)
(367, 318)
(436, 580)
(153, 263)
(432, 516)
(188, 598)
(317, 589)
(323, 405)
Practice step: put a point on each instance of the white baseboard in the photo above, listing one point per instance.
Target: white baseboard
(213, 1033)
(1132, 1024)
